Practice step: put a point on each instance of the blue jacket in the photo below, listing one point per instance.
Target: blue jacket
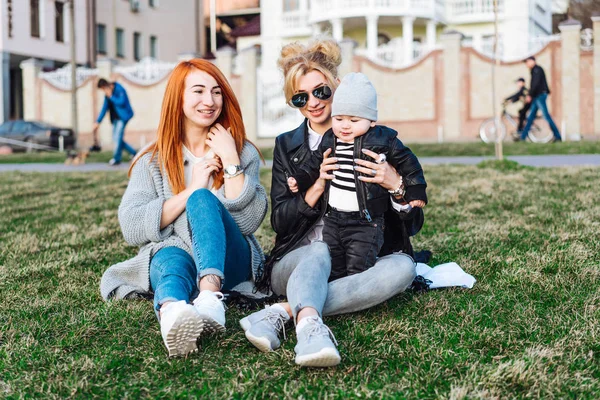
(118, 105)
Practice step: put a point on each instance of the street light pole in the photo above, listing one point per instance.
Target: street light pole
(74, 120)
(498, 145)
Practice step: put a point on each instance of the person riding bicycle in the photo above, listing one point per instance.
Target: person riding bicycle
(520, 97)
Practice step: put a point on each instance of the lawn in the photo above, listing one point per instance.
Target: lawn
(420, 149)
(528, 329)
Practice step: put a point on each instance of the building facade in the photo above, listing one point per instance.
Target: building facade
(123, 30)
(395, 33)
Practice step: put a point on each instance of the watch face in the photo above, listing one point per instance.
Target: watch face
(231, 169)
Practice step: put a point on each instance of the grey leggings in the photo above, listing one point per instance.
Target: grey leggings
(302, 275)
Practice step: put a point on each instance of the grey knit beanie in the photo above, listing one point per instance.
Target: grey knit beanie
(356, 97)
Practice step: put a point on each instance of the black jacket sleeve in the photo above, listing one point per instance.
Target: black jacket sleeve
(408, 166)
(516, 97)
(308, 174)
(288, 209)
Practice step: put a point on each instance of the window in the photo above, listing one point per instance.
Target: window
(101, 39)
(153, 3)
(59, 20)
(34, 13)
(137, 46)
(153, 47)
(120, 43)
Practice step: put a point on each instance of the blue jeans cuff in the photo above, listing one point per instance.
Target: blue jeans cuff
(211, 271)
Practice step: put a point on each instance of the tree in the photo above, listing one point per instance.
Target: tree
(581, 10)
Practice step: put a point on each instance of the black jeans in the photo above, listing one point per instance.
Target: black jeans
(353, 242)
(523, 116)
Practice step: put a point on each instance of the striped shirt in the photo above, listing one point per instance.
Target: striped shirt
(342, 194)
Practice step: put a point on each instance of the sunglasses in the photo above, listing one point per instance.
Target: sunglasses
(299, 100)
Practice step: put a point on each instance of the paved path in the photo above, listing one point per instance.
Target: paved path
(534, 161)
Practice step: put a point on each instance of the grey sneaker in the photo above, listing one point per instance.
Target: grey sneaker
(316, 345)
(263, 327)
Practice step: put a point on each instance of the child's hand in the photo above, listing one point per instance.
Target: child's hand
(293, 185)
(417, 203)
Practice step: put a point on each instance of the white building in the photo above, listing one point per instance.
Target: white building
(396, 32)
(123, 30)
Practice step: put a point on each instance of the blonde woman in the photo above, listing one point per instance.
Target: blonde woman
(300, 264)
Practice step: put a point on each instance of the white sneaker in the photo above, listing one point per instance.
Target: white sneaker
(180, 326)
(211, 310)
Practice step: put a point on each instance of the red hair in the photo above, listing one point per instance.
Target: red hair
(171, 131)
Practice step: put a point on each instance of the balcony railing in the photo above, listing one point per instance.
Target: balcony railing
(391, 54)
(323, 10)
(465, 11)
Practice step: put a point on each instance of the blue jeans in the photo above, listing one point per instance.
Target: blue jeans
(120, 145)
(302, 275)
(219, 248)
(540, 103)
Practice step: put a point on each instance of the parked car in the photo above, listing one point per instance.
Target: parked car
(34, 132)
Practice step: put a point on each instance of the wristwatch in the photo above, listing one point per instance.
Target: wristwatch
(232, 170)
(399, 192)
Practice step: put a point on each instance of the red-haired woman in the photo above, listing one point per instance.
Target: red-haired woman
(192, 205)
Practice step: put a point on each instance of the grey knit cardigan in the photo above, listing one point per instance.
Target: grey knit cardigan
(140, 213)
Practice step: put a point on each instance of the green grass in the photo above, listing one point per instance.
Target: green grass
(421, 150)
(54, 158)
(509, 149)
(528, 329)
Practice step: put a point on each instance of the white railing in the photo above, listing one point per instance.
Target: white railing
(61, 78)
(486, 47)
(323, 10)
(472, 10)
(297, 19)
(391, 54)
(274, 115)
(147, 72)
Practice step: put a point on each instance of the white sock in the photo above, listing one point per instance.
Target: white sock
(302, 323)
(280, 309)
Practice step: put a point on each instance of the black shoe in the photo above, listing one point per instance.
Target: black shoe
(554, 140)
(95, 149)
(422, 256)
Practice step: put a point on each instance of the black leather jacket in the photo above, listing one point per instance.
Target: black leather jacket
(292, 218)
(372, 198)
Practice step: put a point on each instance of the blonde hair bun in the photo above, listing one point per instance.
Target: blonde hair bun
(321, 54)
(324, 52)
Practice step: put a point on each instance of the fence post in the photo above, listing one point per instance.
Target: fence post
(248, 98)
(224, 61)
(31, 70)
(452, 84)
(596, 21)
(571, 96)
(345, 67)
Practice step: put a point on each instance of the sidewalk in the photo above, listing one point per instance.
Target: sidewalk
(533, 161)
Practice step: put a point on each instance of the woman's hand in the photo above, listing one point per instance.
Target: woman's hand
(382, 174)
(202, 171)
(328, 165)
(222, 143)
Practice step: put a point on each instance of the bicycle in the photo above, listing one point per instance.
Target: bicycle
(488, 134)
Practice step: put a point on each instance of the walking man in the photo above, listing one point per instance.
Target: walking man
(538, 93)
(117, 104)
